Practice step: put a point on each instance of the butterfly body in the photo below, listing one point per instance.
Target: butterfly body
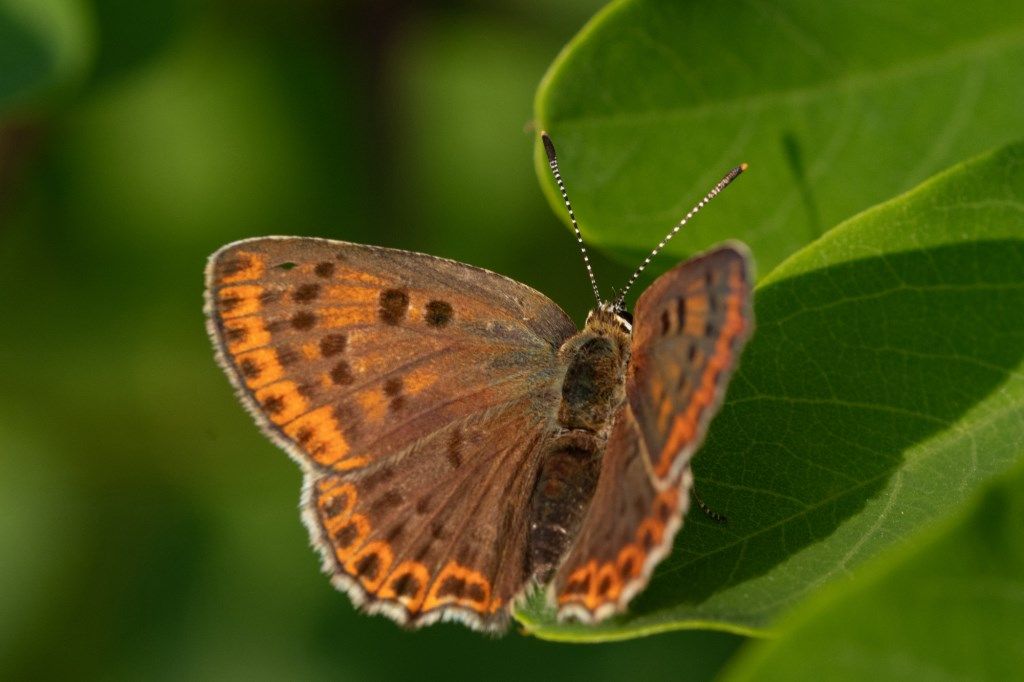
(592, 389)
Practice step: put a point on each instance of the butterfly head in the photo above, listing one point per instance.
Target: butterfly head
(610, 316)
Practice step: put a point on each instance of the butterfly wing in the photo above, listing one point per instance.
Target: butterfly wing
(628, 529)
(689, 329)
(414, 392)
(691, 324)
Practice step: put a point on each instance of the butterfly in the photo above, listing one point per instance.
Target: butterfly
(462, 443)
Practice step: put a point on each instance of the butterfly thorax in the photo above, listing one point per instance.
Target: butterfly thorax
(592, 390)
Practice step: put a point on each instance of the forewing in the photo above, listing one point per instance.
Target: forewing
(690, 327)
(628, 529)
(367, 364)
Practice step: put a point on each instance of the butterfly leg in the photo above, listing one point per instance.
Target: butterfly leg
(715, 516)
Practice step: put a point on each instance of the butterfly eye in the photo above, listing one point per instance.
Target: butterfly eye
(627, 316)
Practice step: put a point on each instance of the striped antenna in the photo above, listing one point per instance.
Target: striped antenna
(549, 147)
(722, 184)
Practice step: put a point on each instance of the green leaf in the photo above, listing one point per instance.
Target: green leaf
(44, 46)
(884, 384)
(948, 607)
(836, 106)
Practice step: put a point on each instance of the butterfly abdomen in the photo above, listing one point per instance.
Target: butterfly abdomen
(564, 488)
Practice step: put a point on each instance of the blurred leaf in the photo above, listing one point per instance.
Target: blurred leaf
(949, 607)
(132, 33)
(28, 522)
(44, 45)
(836, 107)
(211, 142)
(882, 386)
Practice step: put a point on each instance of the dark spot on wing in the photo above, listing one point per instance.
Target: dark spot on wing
(286, 355)
(368, 566)
(346, 535)
(406, 585)
(439, 313)
(235, 265)
(647, 540)
(249, 368)
(475, 592)
(303, 320)
(452, 587)
(306, 293)
(332, 344)
(341, 374)
(393, 386)
(393, 305)
(663, 510)
(229, 303)
(324, 269)
(393, 389)
(273, 404)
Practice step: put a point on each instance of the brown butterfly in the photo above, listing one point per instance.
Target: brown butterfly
(461, 441)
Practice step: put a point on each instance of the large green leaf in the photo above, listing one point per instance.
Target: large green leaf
(882, 386)
(948, 607)
(836, 106)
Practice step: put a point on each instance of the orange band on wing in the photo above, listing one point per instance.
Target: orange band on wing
(282, 402)
(457, 584)
(318, 434)
(371, 564)
(243, 266)
(595, 584)
(241, 300)
(407, 584)
(259, 367)
(685, 425)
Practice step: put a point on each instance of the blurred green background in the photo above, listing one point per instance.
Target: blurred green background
(147, 529)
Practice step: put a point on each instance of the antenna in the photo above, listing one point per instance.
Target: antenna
(549, 147)
(722, 184)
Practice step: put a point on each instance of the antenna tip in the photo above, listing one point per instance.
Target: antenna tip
(549, 146)
(743, 167)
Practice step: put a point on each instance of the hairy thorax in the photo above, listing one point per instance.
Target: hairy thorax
(592, 390)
